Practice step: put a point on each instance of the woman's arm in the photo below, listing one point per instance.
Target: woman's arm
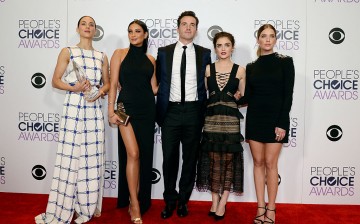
(288, 88)
(105, 77)
(115, 63)
(207, 75)
(154, 84)
(243, 89)
(241, 76)
(61, 65)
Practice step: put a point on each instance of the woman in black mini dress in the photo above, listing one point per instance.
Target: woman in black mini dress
(268, 92)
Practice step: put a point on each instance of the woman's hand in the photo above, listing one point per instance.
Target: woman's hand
(100, 94)
(279, 134)
(237, 95)
(81, 86)
(113, 118)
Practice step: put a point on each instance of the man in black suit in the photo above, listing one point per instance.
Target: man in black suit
(180, 110)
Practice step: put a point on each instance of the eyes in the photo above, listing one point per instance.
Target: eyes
(91, 24)
(186, 24)
(265, 36)
(136, 31)
(225, 45)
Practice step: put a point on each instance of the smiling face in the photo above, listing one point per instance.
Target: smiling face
(136, 35)
(267, 41)
(86, 27)
(223, 48)
(187, 29)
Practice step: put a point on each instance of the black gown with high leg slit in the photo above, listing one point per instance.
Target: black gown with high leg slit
(136, 94)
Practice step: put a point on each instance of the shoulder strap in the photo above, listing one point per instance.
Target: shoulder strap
(212, 70)
(234, 71)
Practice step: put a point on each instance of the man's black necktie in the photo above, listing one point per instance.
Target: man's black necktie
(182, 74)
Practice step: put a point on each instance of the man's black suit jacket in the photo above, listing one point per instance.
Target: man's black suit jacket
(164, 64)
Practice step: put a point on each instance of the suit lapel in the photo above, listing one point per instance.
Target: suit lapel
(198, 55)
(169, 61)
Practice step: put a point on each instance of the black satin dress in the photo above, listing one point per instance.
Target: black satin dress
(136, 94)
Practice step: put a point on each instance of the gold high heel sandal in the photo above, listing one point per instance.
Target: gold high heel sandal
(137, 220)
(97, 213)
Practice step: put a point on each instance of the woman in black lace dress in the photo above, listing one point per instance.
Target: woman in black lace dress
(220, 166)
(269, 90)
(135, 70)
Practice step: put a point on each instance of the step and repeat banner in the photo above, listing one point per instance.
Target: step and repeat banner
(318, 165)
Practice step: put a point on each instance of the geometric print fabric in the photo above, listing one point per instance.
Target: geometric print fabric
(77, 183)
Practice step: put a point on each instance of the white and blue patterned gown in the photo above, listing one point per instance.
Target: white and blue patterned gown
(77, 183)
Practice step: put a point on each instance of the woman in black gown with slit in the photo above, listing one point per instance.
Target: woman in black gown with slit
(135, 70)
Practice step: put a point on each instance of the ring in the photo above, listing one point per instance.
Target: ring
(277, 135)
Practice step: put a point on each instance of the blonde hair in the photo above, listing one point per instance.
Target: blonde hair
(260, 30)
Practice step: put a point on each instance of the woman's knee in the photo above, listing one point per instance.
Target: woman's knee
(271, 165)
(259, 162)
(133, 155)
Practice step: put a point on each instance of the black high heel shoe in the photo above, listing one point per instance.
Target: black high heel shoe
(213, 213)
(257, 220)
(271, 221)
(219, 217)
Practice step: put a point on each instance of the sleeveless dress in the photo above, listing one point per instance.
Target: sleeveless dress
(77, 183)
(268, 92)
(136, 94)
(221, 164)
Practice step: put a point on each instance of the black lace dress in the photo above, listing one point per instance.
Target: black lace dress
(221, 164)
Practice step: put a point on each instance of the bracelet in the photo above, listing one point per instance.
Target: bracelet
(112, 116)
(110, 103)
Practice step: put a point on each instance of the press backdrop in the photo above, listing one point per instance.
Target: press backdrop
(320, 164)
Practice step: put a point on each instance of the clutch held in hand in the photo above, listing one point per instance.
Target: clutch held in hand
(120, 112)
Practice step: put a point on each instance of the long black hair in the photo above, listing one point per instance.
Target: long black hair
(144, 27)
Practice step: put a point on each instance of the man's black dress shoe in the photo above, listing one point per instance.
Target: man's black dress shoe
(182, 210)
(168, 211)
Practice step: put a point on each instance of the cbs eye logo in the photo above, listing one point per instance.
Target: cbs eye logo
(334, 133)
(38, 80)
(99, 33)
(155, 176)
(38, 172)
(212, 31)
(336, 35)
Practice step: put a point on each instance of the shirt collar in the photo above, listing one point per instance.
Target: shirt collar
(189, 46)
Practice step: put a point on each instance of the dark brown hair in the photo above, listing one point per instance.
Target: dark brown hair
(145, 29)
(224, 34)
(187, 13)
(84, 17)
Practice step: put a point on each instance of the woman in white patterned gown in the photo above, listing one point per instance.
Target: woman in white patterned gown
(77, 184)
